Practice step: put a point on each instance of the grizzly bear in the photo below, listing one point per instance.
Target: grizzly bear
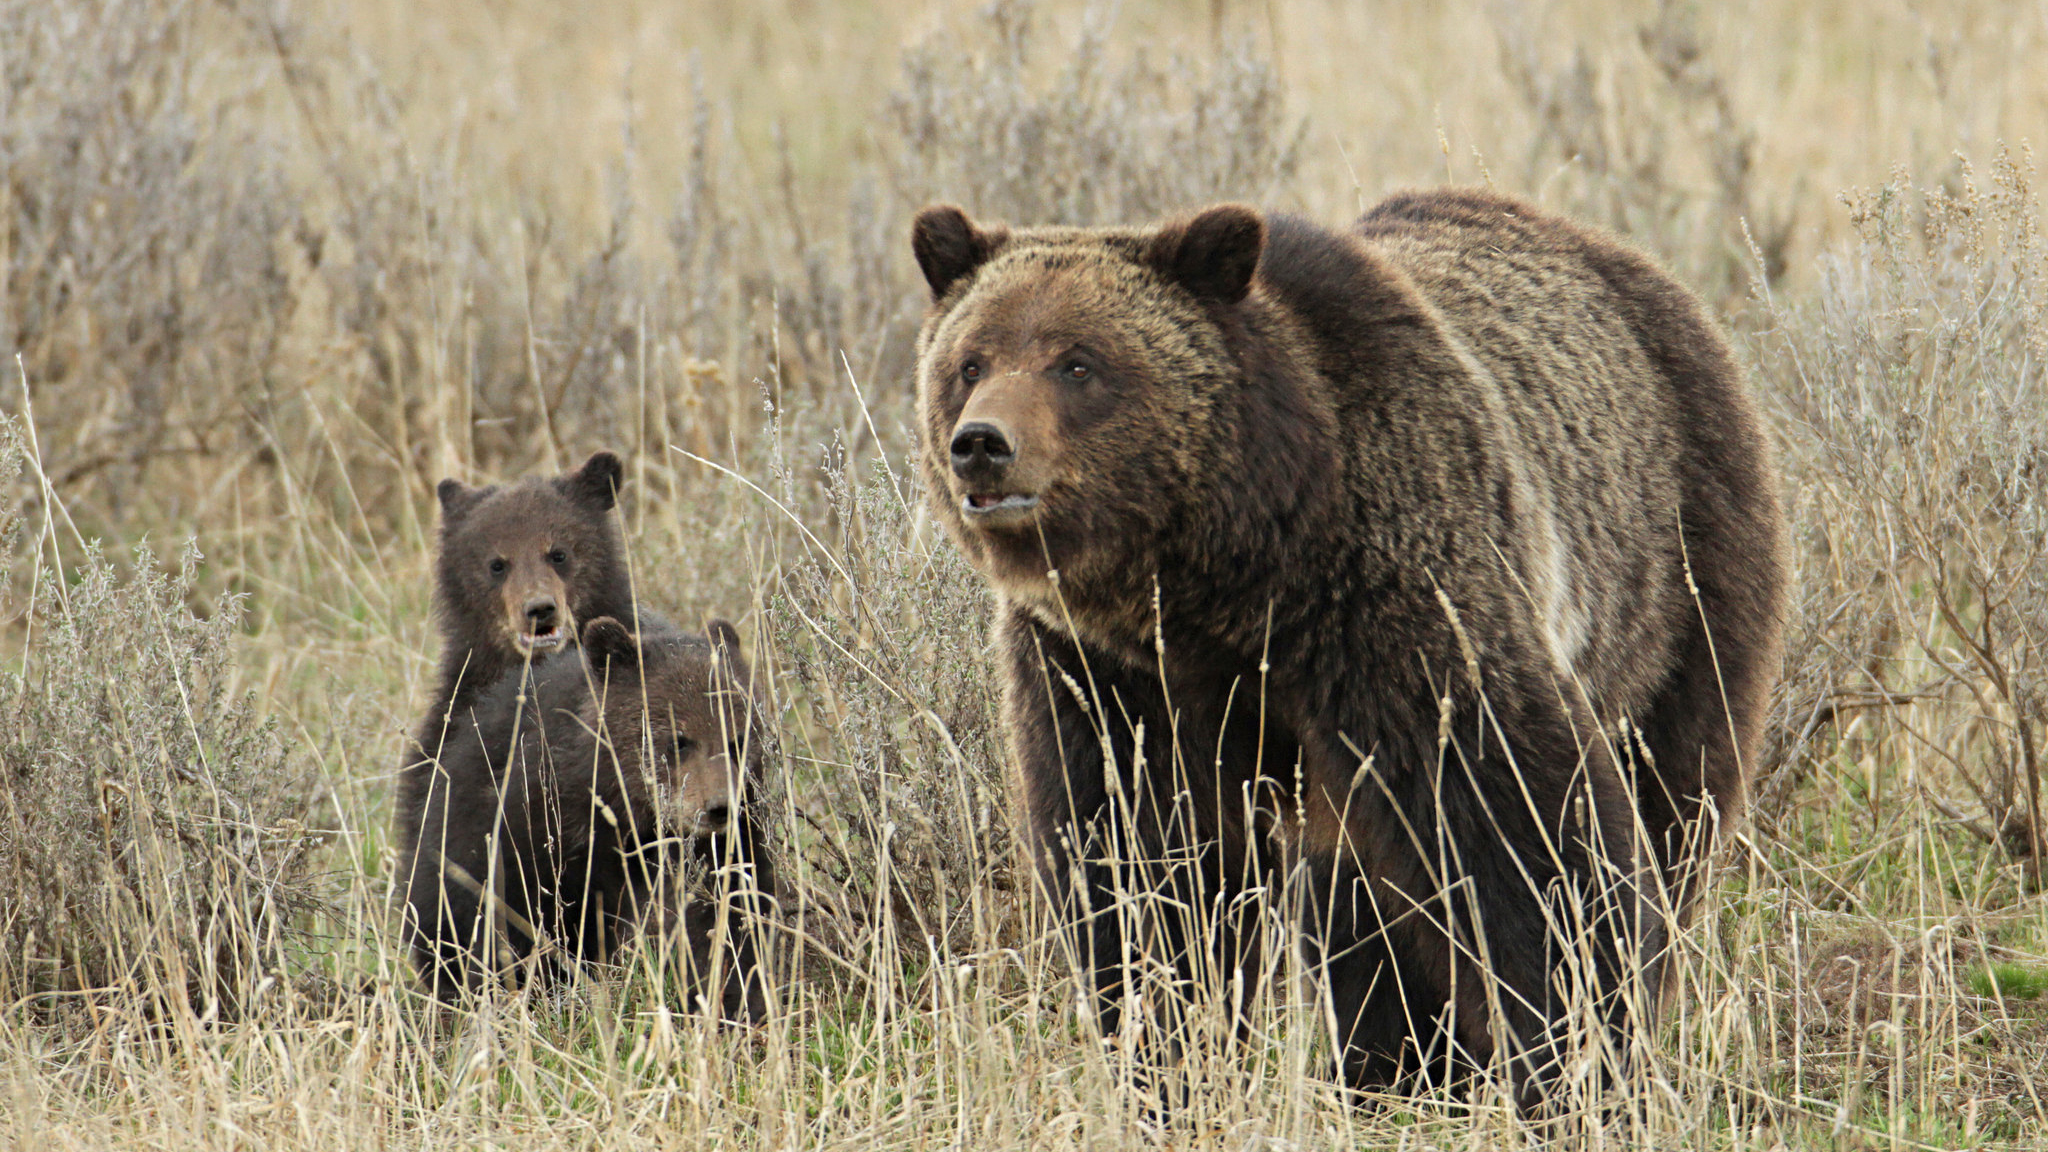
(579, 799)
(1436, 561)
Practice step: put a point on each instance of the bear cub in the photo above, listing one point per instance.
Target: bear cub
(521, 566)
(584, 798)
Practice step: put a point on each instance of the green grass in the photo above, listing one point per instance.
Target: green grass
(2010, 981)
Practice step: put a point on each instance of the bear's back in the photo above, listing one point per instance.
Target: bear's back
(1520, 337)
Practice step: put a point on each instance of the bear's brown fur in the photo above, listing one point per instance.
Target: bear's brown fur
(521, 567)
(1382, 538)
(571, 800)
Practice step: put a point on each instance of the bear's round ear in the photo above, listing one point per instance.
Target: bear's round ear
(725, 642)
(456, 497)
(605, 640)
(1213, 253)
(597, 483)
(723, 635)
(949, 246)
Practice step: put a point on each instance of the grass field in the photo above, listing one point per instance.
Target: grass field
(271, 269)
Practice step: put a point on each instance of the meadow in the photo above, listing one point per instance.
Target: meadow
(269, 269)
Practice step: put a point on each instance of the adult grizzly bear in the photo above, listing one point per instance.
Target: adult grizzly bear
(1373, 553)
(578, 797)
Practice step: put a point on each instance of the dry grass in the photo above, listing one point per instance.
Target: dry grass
(271, 269)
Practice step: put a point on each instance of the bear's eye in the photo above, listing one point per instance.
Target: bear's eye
(971, 371)
(684, 746)
(498, 566)
(557, 557)
(1075, 370)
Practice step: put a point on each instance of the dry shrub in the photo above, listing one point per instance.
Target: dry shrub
(152, 836)
(225, 250)
(1063, 133)
(1652, 145)
(146, 239)
(885, 632)
(1914, 392)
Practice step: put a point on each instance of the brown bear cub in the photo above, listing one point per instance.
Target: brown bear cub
(582, 800)
(1438, 558)
(521, 566)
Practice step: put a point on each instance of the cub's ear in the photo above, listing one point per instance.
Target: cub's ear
(725, 644)
(457, 498)
(1213, 253)
(949, 246)
(723, 636)
(596, 485)
(606, 641)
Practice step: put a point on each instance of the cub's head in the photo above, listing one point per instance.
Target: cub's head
(681, 713)
(522, 565)
(1068, 386)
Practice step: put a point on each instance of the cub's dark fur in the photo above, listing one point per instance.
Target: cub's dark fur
(521, 567)
(1383, 536)
(575, 799)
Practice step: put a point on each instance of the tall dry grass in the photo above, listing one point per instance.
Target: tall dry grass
(271, 269)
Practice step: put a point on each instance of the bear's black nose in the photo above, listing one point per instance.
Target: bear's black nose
(981, 450)
(715, 817)
(540, 611)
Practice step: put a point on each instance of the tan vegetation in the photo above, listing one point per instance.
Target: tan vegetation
(269, 270)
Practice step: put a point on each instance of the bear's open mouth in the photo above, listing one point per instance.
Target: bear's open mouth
(541, 639)
(996, 505)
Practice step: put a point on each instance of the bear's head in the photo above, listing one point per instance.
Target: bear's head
(522, 565)
(682, 717)
(1074, 388)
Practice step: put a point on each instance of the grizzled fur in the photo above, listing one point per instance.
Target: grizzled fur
(580, 796)
(1382, 539)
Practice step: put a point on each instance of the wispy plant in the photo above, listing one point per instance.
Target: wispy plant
(153, 826)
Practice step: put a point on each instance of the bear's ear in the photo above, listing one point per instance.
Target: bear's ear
(606, 641)
(1213, 253)
(596, 485)
(725, 642)
(949, 246)
(457, 498)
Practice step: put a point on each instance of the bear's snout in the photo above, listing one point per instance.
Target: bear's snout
(995, 493)
(543, 623)
(536, 614)
(704, 802)
(1005, 447)
(982, 451)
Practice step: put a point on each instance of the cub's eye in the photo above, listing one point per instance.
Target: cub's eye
(684, 746)
(1075, 370)
(971, 371)
(498, 566)
(557, 557)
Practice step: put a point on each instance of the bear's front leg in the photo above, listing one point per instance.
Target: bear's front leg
(1488, 907)
(1122, 838)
